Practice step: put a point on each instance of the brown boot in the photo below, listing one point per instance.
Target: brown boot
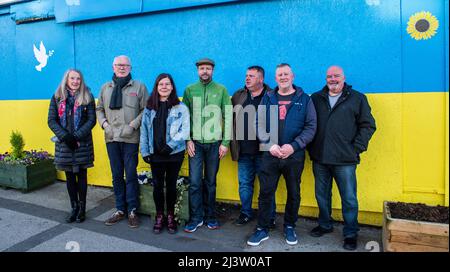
(171, 223)
(159, 222)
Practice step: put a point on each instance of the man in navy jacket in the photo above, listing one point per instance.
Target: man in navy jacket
(344, 127)
(283, 134)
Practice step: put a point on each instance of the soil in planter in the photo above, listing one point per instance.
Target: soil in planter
(419, 212)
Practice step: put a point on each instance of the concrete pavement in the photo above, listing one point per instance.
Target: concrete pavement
(34, 222)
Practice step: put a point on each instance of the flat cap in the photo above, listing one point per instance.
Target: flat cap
(205, 61)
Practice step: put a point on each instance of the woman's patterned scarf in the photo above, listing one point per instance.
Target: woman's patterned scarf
(76, 111)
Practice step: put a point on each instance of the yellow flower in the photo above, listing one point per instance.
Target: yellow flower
(422, 25)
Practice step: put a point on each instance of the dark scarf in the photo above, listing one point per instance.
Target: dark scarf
(116, 97)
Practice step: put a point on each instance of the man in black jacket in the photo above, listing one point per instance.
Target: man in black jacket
(344, 127)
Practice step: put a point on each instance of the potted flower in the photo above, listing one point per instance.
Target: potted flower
(25, 170)
(415, 227)
(147, 205)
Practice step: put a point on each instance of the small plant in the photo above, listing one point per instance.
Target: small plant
(17, 143)
(19, 156)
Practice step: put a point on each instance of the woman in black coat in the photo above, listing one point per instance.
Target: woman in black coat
(71, 116)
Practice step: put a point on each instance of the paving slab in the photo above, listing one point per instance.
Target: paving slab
(79, 240)
(17, 227)
(55, 196)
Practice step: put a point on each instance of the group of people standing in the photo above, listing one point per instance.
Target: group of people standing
(267, 131)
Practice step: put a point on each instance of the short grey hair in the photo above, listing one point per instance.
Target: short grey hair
(122, 56)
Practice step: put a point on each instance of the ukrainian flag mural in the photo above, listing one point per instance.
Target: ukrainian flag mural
(394, 51)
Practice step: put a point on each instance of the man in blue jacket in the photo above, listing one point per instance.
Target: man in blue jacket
(284, 134)
(344, 127)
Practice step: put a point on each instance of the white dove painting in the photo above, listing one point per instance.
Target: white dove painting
(41, 56)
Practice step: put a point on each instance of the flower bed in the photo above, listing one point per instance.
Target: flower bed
(33, 170)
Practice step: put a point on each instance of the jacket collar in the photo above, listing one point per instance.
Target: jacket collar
(207, 85)
(266, 88)
(130, 83)
(274, 99)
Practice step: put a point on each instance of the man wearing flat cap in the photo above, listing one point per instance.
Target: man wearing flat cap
(211, 112)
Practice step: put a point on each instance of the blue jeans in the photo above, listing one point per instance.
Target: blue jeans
(202, 190)
(248, 167)
(124, 157)
(345, 177)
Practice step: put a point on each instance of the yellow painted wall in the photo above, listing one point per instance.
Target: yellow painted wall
(407, 158)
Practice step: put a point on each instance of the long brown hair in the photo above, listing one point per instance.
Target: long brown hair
(84, 96)
(153, 100)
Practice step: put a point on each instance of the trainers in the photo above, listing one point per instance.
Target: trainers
(350, 243)
(289, 234)
(133, 220)
(115, 217)
(319, 231)
(192, 226)
(212, 225)
(242, 220)
(257, 237)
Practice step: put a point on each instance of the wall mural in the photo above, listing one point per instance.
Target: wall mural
(422, 25)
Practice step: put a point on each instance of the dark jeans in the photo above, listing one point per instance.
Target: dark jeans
(124, 157)
(248, 167)
(77, 185)
(345, 177)
(271, 170)
(206, 155)
(165, 173)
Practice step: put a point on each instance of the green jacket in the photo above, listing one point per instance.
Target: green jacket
(211, 112)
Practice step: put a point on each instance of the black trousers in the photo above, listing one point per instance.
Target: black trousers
(77, 185)
(165, 174)
(271, 170)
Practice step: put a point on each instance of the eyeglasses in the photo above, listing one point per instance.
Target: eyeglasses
(120, 65)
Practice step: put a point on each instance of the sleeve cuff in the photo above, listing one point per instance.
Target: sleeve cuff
(295, 146)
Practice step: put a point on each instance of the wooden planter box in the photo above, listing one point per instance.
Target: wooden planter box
(401, 235)
(147, 204)
(27, 177)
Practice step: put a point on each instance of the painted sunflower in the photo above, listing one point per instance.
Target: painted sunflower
(422, 25)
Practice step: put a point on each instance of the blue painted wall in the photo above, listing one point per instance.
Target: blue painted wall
(368, 38)
(8, 58)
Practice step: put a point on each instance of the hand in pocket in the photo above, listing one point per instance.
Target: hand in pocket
(127, 131)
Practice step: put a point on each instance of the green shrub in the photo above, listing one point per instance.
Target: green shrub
(17, 143)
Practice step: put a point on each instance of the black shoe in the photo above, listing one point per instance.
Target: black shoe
(81, 216)
(242, 220)
(272, 224)
(319, 231)
(73, 214)
(350, 243)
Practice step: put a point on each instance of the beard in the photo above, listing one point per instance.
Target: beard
(205, 78)
(335, 87)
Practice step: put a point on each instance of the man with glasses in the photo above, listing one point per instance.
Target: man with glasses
(119, 112)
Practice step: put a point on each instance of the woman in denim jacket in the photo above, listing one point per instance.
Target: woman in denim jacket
(164, 131)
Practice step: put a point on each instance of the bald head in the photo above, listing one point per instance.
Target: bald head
(335, 80)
